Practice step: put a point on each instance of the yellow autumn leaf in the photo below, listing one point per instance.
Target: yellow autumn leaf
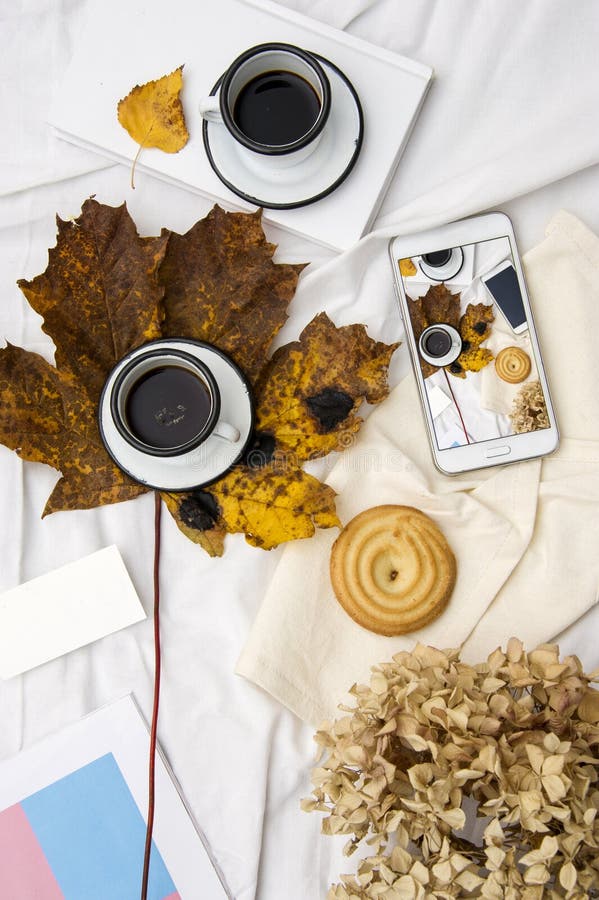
(311, 388)
(197, 516)
(152, 114)
(272, 505)
(474, 329)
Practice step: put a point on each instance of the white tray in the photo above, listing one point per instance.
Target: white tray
(127, 43)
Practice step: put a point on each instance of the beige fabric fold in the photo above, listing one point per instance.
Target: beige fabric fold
(523, 535)
(557, 579)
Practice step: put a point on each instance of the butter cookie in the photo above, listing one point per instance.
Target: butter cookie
(513, 365)
(392, 569)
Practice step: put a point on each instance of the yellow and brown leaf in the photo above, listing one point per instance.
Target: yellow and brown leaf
(100, 295)
(197, 514)
(152, 113)
(440, 306)
(223, 287)
(407, 267)
(107, 290)
(306, 401)
(475, 327)
(309, 392)
(274, 503)
(47, 416)
(270, 504)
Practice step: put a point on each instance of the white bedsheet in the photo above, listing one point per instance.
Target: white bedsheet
(508, 124)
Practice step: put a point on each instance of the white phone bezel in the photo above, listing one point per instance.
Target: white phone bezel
(490, 274)
(473, 456)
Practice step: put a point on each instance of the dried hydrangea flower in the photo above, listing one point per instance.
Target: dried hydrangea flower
(433, 743)
(529, 409)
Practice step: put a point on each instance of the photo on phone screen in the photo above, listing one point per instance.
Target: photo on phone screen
(468, 318)
(502, 283)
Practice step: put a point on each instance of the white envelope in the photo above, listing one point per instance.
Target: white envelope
(65, 609)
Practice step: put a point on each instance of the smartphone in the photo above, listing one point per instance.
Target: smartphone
(502, 284)
(473, 345)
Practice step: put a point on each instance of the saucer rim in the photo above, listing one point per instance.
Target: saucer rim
(256, 201)
(195, 343)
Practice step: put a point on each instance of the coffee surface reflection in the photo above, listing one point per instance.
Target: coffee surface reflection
(276, 108)
(168, 407)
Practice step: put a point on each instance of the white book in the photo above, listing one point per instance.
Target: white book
(123, 44)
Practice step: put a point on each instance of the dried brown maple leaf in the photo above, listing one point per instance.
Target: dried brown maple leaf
(99, 297)
(438, 306)
(222, 287)
(106, 291)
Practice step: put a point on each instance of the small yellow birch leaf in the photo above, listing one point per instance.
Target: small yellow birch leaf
(153, 115)
(407, 267)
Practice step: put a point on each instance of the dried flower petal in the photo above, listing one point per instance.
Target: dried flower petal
(567, 876)
(588, 708)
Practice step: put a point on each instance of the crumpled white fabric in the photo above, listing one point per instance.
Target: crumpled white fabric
(511, 112)
(35, 41)
(508, 527)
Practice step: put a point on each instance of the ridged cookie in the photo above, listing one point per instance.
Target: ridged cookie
(513, 365)
(392, 569)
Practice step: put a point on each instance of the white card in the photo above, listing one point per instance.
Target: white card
(65, 609)
(453, 436)
(438, 400)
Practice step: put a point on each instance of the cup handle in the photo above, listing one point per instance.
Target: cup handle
(227, 432)
(210, 109)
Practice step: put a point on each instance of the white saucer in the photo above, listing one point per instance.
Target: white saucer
(444, 273)
(308, 180)
(214, 456)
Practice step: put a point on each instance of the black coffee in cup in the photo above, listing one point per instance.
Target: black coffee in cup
(276, 108)
(437, 259)
(167, 407)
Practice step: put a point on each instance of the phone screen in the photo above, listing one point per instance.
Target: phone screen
(505, 290)
(481, 377)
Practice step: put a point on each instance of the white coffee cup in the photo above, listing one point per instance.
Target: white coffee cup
(261, 150)
(165, 403)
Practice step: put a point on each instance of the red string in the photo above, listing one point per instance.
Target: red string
(152, 764)
(457, 407)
